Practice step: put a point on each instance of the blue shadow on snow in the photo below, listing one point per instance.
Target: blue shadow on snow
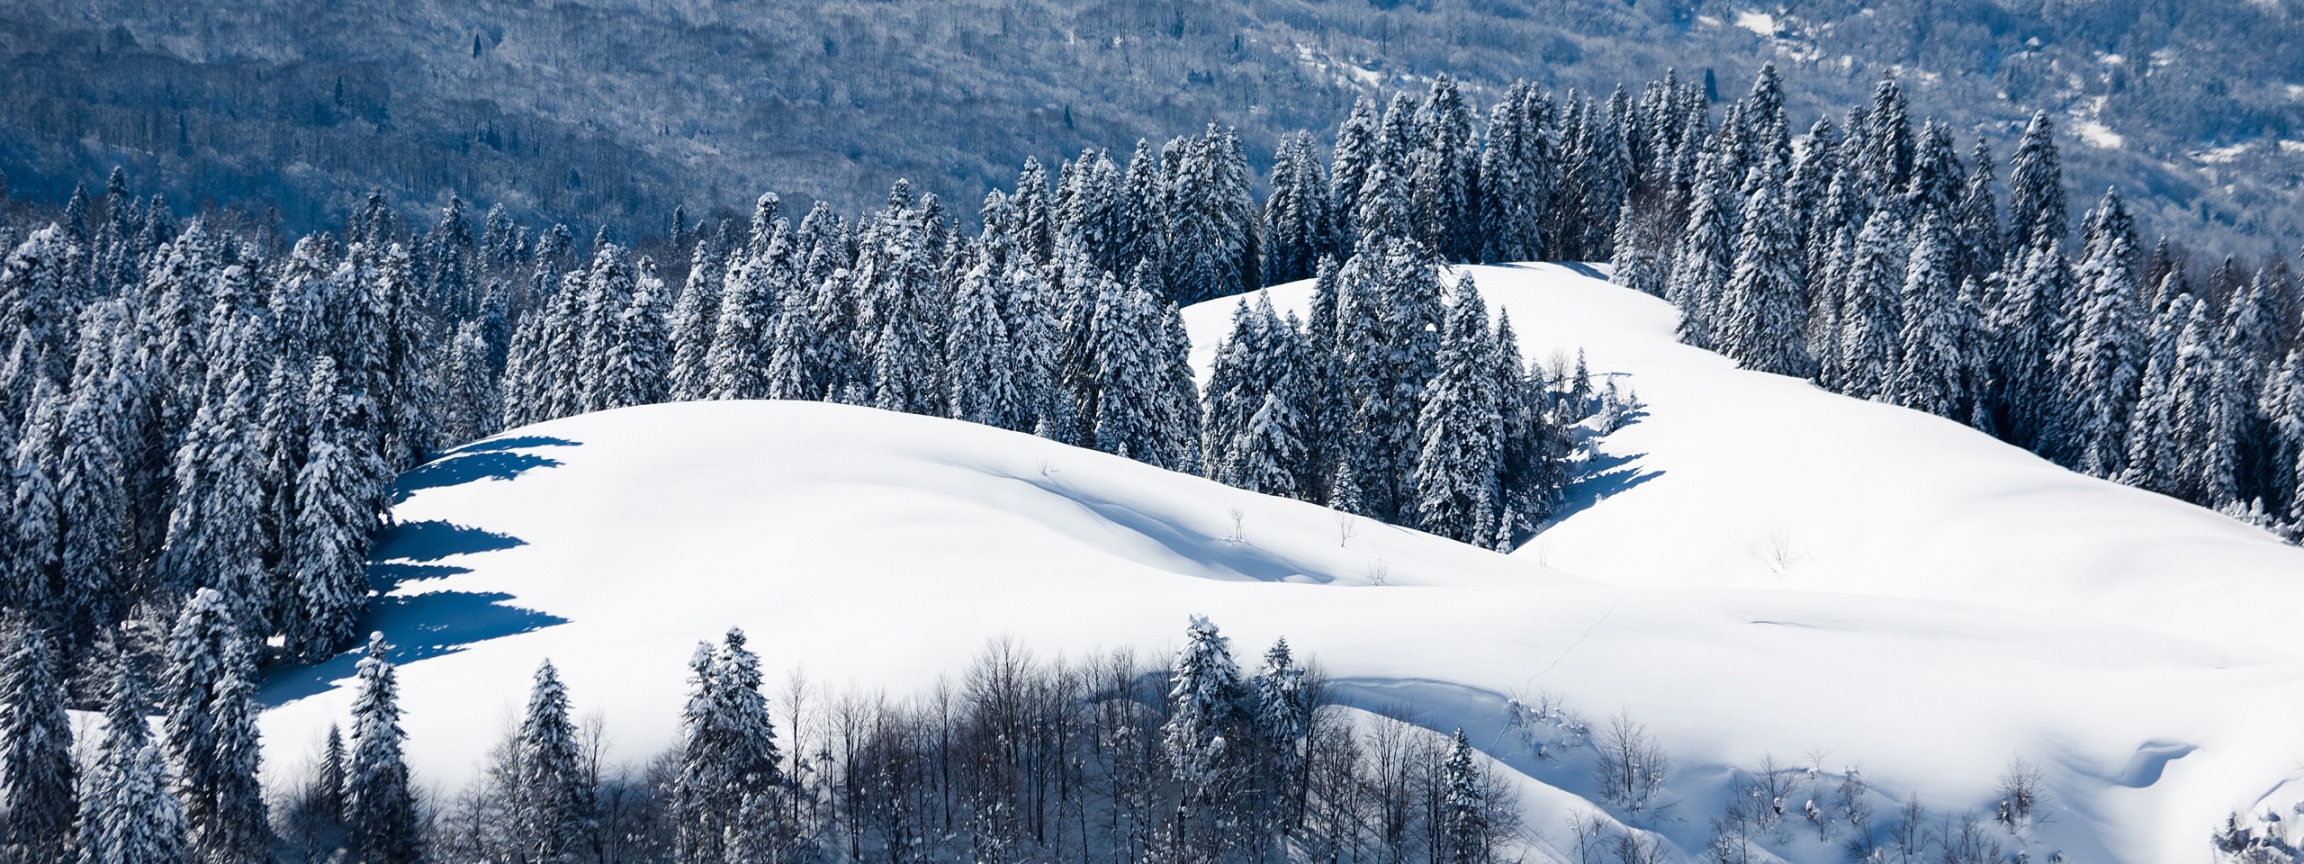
(434, 623)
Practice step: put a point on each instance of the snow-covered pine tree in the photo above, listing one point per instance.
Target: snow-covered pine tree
(1234, 392)
(695, 320)
(1351, 159)
(2252, 337)
(1808, 191)
(2205, 416)
(637, 362)
(727, 752)
(1035, 217)
(748, 316)
(2025, 327)
(609, 288)
(213, 523)
(1705, 259)
(328, 553)
(38, 798)
(1284, 714)
(1885, 157)
(1982, 247)
(551, 801)
(980, 359)
(2036, 213)
(1928, 360)
(128, 815)
(35, 530)
(380, 817)
(1128, 397)
(1297, 218)
(2153, 459)
(1529, 460)
(1456, 466)
(1204, 704)
(1446, 173)
(901, 310)
(2105, 360)
(1176, 394)
(1464, 822)
(36, 295)
(208, 734)
(1871, 317)
(1767, 312)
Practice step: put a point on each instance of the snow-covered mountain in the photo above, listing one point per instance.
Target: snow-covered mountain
(1751, 568)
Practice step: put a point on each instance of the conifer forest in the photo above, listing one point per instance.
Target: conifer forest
(202, 420)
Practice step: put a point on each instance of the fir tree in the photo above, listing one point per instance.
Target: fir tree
(208, 734)
(1464, 824)
(727, 753)
(552, 802)
(1297, 219)
(35, 529)
(1871, 316)
(981, 370)
(2025, 328)
(129, 816)
(1929, 363)
(1705, 258)
(2153, 459)
(2105, 358)
(2036, 214)
(1203, 701)
(1766, 326)
(1284, 713)
(1456, 470)
(634, 373)
(694, 322)
(748, 317)
(1354, 155)
(37, 797)
(380, 817)
(335, 515)
(1127, 411)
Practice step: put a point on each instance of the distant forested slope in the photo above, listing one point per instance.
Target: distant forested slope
(615, 111)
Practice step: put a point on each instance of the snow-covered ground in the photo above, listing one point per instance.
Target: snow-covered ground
(1753, 568)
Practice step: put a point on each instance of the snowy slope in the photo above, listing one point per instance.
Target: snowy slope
(1937, 604)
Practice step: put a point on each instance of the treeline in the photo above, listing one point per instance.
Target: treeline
(1875, 260)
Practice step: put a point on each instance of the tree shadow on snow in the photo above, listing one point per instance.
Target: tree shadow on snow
(418, 626)
(492, 459)
(1599, 477)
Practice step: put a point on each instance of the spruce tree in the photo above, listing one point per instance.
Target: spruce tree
(1128, 403)
(1929, 363)
(129, 816)
(334, 518)
(35, 526)
(748, 317)
(1456, 466)
(2025, 328)
(695, 319)
(1871, 320)
(727, 754)
(1355, 153)
(38, 798)
(2105, 360)
(1297, 218)
(1203, 702)
(1284, 713)
(380, 817)
(637, 362)
(981, 372)
(1464, 823)
(209, 734)
(1705, 259)
(2036, 213)
(1766, 327)
(2154, 457)
(552, 801)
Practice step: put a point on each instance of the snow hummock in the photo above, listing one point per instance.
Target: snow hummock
(1760, 23)
(1753, 567)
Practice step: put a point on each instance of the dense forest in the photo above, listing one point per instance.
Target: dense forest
(615, 111)
(203, 421)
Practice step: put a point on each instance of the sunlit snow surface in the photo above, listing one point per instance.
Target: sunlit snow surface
(1753, 567)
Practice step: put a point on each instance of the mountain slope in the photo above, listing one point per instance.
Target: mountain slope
(881, 550)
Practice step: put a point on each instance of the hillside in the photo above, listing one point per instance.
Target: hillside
(616, 111)
(1754, 567)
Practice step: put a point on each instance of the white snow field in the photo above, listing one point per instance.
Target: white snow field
(1755, 567)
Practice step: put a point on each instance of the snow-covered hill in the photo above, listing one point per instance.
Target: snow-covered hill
(1755, 567)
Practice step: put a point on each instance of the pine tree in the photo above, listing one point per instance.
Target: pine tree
(1766, 326)
(748, 317)
(129, 816)
(1981, 245)
(2153, 459)
(1456, 466)
(1871, 312)
(981, 370)
(1284, 714)
(727, 753)
(552, 801)
(1446, 171)
(379, 812)
(2203, 418)
(37, 795)
(1464, 824)
(1297, 219)
(2036, 214)
(335, 515)
(1705, 259)
(1127, 411)
(1885, 157)
(209, 736)
(637, 362)
(2105, 358)
(2025, 329)
(1929, 363)
(694, 321)
(900, 312)
(1353, 156)
(35, 535)
(1531, 449)
(1235, 393)
(1203, 701)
